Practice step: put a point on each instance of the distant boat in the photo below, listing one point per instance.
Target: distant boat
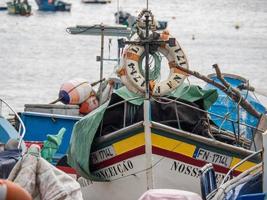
(125, 18)
(96, 1)
(3, 7)
(17, 7)
(53, 5)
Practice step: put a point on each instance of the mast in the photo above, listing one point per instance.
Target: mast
(101, 61)
(146, 39)
(147, 112)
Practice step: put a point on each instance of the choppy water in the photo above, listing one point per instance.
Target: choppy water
(37, 55)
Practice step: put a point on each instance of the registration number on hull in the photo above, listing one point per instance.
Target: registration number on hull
(213, 157)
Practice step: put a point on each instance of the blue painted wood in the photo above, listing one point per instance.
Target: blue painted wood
(7, 131)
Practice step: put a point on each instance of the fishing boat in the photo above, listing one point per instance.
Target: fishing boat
(18, 7)
(53, 5)
(125, 18)
(3, 7)
(149, 134)
(96, 1)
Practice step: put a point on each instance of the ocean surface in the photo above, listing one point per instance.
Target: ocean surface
(37, 54)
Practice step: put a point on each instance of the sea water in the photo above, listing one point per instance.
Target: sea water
(37, 54)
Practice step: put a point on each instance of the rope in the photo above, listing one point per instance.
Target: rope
(154, 73)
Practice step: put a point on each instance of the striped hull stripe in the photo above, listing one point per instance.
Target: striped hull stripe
(189, 160)
(166, 147)
(132, 153)
(160, 152)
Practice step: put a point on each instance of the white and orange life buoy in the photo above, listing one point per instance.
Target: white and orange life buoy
(121, 72)
(135, 81)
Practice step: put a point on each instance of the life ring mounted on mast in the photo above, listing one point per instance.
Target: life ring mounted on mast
(134, 80)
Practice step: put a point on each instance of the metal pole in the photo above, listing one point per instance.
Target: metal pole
(147, 57)
(147, 115)
(101, 61)
(118, 55)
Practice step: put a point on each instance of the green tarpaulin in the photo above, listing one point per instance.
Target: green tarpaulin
(185, 92)
(81, 141)
(84, 130)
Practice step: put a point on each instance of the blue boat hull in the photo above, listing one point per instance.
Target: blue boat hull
(39, 125)
(44, 5)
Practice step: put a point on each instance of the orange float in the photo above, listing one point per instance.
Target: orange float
(12, 191)
(90, 104)
(75, 91)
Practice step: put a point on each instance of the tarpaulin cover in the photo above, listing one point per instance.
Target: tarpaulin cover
(81, 141)
(225, 106)
(87, 128)
(42, 180)
(190, 93)
(8, 159)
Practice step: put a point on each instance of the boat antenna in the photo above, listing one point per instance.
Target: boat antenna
(147, 4)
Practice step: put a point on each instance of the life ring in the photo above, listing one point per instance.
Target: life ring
(121, 72)
(135, 81)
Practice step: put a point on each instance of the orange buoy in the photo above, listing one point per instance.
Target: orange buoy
(90, 104)
(75, 91)
(12, 191)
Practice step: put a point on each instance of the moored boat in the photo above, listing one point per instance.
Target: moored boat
(18, 7)
(125, 18)
(53, 5)
(151, 134)
(2, 7)
(96, 1)
(146, 137)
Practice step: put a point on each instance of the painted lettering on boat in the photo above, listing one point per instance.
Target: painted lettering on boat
(212, 157)
(118, 169)
(185, 169)
(102, 155)
(192, 170)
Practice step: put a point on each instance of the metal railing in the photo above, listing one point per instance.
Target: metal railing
(229, 173)
(237, 135)
(227, 134)
(168, 100)
(125, 106)
(22, 129)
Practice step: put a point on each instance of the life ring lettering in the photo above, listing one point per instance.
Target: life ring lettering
(134, 80)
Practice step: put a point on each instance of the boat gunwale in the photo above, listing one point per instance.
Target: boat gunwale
(208, 141)
(40, 114)
(212, 143)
